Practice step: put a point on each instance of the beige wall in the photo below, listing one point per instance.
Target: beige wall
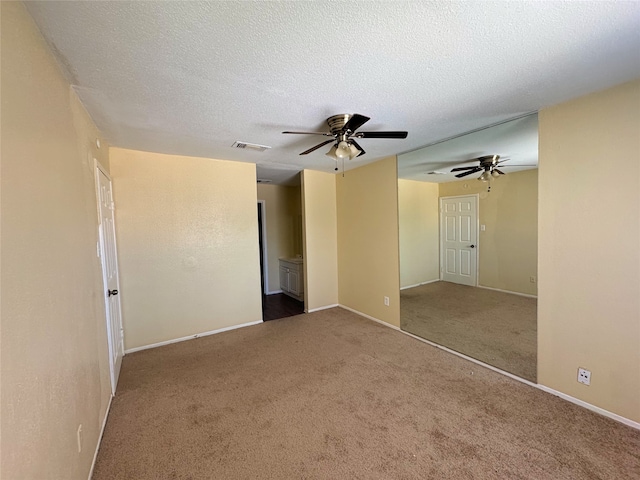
(55, 370)
(508, 248)
(419, 232)
(320, 239)
(187, 232)
(368, 261)
(589, 237)
(284, 227)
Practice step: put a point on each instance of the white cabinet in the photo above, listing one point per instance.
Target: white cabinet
(291, 282)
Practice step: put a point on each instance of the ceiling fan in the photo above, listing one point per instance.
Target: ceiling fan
(343, 132)
(488, 166)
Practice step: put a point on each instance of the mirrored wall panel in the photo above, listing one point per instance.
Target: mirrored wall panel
(468, 244)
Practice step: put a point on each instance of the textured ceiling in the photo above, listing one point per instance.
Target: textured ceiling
(192, 78)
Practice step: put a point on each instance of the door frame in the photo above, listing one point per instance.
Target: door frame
(441, 240)
(99, 169)
(262, 231)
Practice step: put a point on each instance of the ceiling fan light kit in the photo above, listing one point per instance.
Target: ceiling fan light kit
(343, 130)
(343, 150)
(485, 177)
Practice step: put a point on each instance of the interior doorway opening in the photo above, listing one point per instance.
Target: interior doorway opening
(276, 302)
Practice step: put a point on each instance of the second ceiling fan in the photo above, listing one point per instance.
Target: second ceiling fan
(343, 132)
(488, 166)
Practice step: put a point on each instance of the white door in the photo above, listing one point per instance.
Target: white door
(109, 261)
(458, 239)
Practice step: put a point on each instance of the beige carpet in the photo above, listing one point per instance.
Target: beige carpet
(331, 395)
(495, 327)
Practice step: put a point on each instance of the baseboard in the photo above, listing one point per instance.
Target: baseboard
(564, 396)
(104, 424)
(274, 292)
(420, 284)
(369, 317)
(322, 308)
(191, 337)
(588, 406)
(508, 291)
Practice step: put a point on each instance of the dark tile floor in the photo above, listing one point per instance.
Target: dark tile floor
(280, 305)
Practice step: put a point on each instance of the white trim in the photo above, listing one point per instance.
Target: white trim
(104, 424)
(370, 317)
(564, 396)
(588, 406)
(508, 291)
(263, 234)
(322, 308)
(420, 284)
(274, 292)
(191, 337)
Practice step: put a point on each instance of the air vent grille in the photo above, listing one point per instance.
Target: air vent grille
(264, 180)
(435, 172)
(250, 146)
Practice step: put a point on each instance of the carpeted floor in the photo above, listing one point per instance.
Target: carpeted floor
(494, 327)
(331, 395)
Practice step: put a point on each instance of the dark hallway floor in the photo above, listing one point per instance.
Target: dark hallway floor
(280, 305)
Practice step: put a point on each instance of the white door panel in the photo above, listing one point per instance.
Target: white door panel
(458, 239)
(108, 253)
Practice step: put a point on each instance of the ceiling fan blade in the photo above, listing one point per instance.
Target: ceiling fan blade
(502, 166)
(312, 133)
(459, 169)
(496, 170)
(382, 134)
(355, 122)
(355, 144)
(475, 170)
(317, 147)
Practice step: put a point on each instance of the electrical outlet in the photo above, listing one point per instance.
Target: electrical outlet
(79, 433)
(386, 301)
(584, 376)
(532, 279)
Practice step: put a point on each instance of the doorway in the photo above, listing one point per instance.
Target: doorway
(275, 303)
(459, 239)
(110, 277)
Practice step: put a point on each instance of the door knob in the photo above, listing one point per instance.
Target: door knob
(472, 246)
(112, 292)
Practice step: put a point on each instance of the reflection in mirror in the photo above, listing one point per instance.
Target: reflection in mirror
(468, 245)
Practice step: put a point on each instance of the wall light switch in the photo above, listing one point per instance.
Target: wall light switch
(482, 228)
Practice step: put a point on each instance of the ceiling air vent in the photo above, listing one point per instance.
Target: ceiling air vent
(264, 180)
(250, 146)
(435, 172)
